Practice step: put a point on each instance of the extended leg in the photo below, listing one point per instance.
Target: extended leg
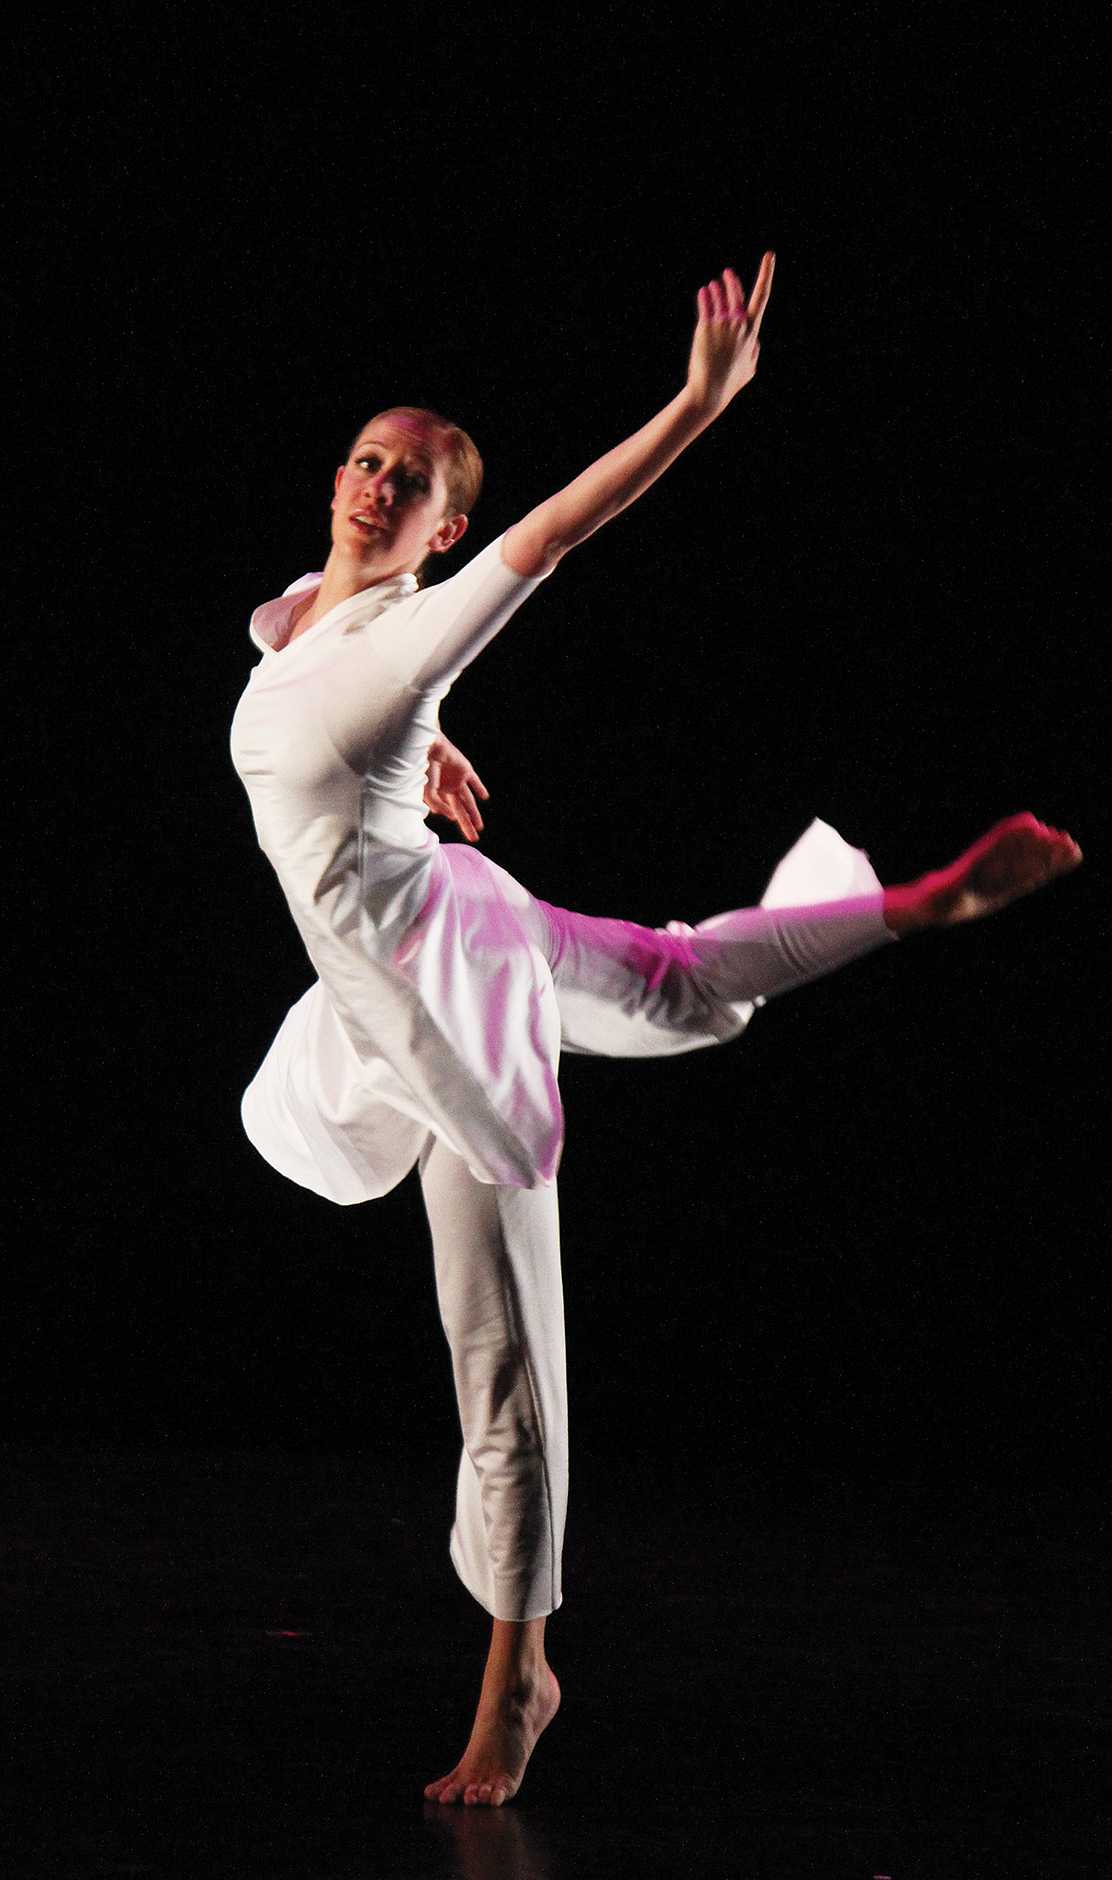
(630, 991)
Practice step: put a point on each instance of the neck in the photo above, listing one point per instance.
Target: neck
(345, 575)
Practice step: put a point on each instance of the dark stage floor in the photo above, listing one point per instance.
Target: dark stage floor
(250, 1663)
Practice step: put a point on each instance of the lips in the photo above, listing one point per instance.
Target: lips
(365, 522)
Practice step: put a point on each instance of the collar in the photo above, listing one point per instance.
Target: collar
(270, 624)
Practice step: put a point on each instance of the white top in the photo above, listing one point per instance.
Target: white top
(434, 1007)
(331, 741)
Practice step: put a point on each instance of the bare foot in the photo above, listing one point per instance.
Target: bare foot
(1015, 857)
(507, 1725)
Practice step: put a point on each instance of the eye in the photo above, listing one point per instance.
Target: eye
(417, 481)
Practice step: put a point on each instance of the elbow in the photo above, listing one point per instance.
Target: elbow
(530, 553)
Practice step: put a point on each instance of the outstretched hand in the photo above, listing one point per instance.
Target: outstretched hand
(450, 787)
(727, 341)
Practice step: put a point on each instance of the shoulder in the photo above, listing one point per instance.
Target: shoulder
(504, 565)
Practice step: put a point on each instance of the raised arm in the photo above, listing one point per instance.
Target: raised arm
(724, 355)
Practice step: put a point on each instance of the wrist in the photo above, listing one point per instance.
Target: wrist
(700, 406)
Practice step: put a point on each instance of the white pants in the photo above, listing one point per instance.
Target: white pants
(622, 990)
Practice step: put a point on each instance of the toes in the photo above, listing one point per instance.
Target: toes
(485, 1794)
(472, 1794)
(1061, 852)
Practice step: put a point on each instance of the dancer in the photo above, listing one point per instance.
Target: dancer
(445, 991)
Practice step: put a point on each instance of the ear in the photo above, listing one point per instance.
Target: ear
(448, 533)
(336, 484)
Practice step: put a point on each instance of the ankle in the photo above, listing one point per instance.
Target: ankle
(912, 907)
(516, 1655)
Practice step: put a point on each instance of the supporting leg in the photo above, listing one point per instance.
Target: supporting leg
(519, 1698)
(497, 1259)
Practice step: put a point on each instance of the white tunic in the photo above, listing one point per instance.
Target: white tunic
(434, 1007)
(444, 988)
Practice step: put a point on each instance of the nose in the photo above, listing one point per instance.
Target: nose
(381, 488)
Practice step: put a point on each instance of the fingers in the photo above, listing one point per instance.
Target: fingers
(761, 291)
(461, 808)
(470, 808)
(450, 791)
(735, 295)
(453, 810)
(725, 299)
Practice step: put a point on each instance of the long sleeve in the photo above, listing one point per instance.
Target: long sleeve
(430, 638)
(417, 646)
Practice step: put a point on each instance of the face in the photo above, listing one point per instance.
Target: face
(389, 501)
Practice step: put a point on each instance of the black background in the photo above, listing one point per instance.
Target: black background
(861, 1247)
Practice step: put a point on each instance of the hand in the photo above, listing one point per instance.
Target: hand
(450, 787)
(727, 342)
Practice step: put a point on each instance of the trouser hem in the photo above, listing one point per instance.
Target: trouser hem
(502, 1603)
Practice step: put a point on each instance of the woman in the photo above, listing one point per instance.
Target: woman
(445, 991)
